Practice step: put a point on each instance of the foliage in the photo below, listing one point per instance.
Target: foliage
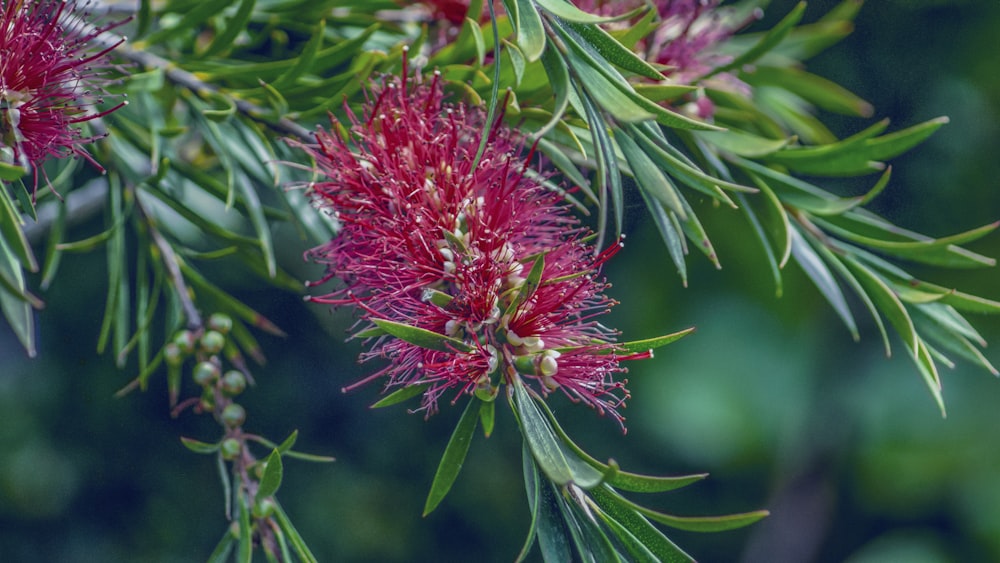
(203, 167)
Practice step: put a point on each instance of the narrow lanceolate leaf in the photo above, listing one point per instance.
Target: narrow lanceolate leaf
(743, 144)
(244, 553)
(615, 477)
(769, 41)
(637, 346)
(690, 523)
(819, 273)
(488, 417)
(648, 176)
(532, 484)
(529, 286)
(11, 172)
(10, 228)
(199, 447)
(670, 232)
(553, 535)
(271, 480)
(223, 549)
(423, 337)
(17, 311)
(857, 154)
(639, 527)
(454, 455)
(559, 463)
(298, 544)
(530, 34)
(591, 541)
(400, 395)
(614, 52)
(567, 11)
(943, 251)
(223, 41)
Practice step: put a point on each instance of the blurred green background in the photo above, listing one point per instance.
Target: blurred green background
(771, 396)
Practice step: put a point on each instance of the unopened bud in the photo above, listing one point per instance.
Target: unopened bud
(221, 323)
(231, 448)
(212, 342)
(233, 415)
(205, 373)
(233, 383)
(184, 339)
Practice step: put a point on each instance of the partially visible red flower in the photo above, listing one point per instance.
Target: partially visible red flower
(51, 71)
(430, 241)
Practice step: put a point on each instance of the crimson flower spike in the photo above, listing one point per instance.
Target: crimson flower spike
(463, 279)
(52, 74)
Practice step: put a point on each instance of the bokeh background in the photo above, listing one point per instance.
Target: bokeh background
(771, 396)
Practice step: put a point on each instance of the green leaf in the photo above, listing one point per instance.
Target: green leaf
(613, 51)
(271, 479)
(454, 455)
(670, 232)
(555, 69)
(304, 61)
(223, 41)
(298, 544)
(633, 546)
(858, 154)
(571, 13)
(649, 176)
(528, 288)
(835, 261)
(244, 552)
(10, 228)
(637, 525)
(488, 417)
(199, 447)
(637, 346)
(553, 535)
(11, 172)
(770, 40)
(824, 93)
(591, 541)
(15, 308)
(557, 460)
(689, 523)
(943, 251)
(400, 395)
(741, 143)
(532, 485)
(820, 275)
(190, 21)
(227, 303)
(423, 337)
(223, 549)
(530, 33)
(633, 482)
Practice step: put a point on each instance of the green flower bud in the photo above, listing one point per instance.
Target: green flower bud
(231, 448)
(233, 383)
(264, 509)
(184, 339)
(173, 355)
(212, 342)
(221, 323)
(233, 415)
(205, 373)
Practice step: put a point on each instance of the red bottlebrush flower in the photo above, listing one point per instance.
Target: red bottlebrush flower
(50, 79)
(484, 255)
